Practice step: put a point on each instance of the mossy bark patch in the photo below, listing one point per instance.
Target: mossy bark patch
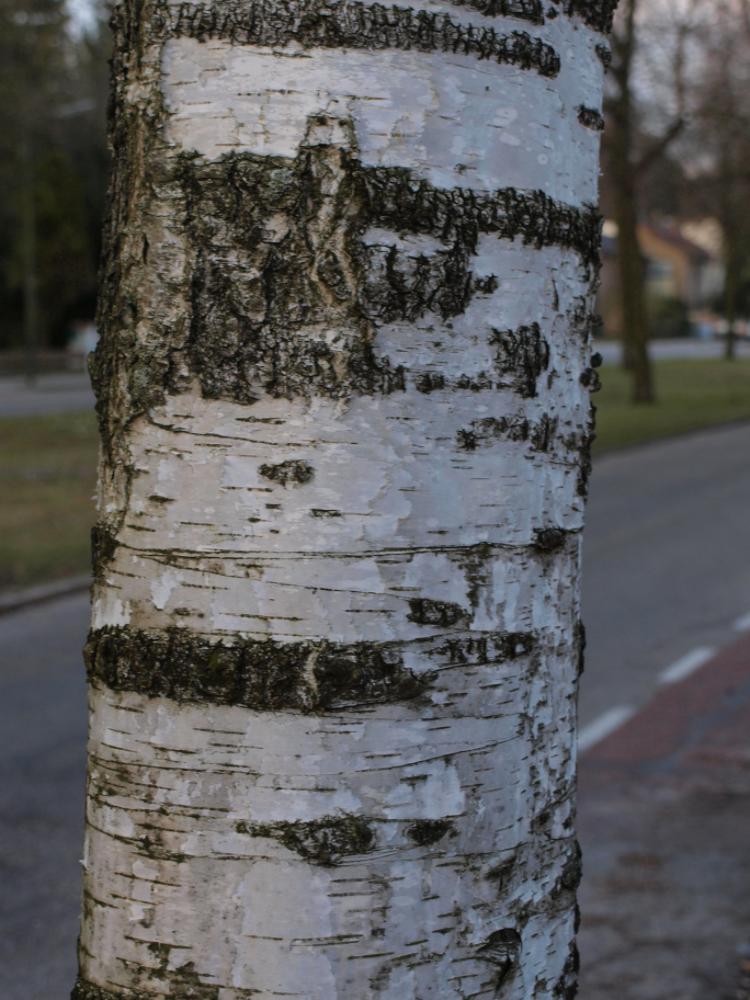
(323, 841)
(179, 987)
(441, 614)
(260, 674)
(293, 471)
(330, 24)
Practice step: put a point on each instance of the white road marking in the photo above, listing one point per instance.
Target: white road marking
(743, 624)
(687, 665)
(604, 726)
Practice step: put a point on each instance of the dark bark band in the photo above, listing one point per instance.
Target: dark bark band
(186, 987)
(266, 675)
(326, 24)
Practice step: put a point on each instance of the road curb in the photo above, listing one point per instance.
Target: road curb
(45, 592)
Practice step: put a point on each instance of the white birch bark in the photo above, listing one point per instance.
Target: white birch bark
(343, 390)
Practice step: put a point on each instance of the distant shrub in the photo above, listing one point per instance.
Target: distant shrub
(668, 318)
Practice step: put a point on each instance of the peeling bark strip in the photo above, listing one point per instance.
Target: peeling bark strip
(297, 676)
(337, 24)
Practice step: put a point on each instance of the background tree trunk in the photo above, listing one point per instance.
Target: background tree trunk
(630, 260)
(343, 391)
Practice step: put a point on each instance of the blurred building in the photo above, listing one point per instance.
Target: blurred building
(684, 275)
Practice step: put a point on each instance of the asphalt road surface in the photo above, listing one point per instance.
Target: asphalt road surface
(667, 572)
(667, 561)
(60, 393)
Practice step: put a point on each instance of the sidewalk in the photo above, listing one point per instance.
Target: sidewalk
(665, 828)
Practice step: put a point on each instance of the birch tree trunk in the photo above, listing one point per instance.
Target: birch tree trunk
(343, 392)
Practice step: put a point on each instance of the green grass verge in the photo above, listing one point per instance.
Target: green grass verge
(48, 464)
(691, 395)
(47, 479)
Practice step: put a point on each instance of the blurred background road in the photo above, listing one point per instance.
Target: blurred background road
(665, 700)
(666, 561)
(51, 393)
(674, 349)
(672, 517)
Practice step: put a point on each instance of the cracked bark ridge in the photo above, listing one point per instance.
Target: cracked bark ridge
(526, 10)
(403, 286)
(103, 547)
(406, 203)
(580, 646)
(586, 450)
(323, 841)
(291, 307)
(523, 354)
(486, 430)
(597, 14)
(253, 323)
(341, 25)
(275, 306)
(566, 987)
